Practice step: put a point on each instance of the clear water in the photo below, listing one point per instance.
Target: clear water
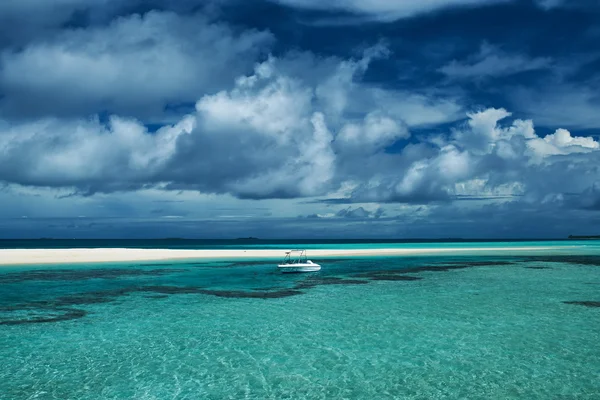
(484, 326)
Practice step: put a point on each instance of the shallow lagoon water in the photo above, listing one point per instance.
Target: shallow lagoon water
(476, 327)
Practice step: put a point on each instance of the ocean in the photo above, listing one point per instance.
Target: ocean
(478, 325)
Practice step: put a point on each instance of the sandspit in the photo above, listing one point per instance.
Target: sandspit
(104, 255)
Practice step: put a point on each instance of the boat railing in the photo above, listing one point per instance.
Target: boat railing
(296, 260)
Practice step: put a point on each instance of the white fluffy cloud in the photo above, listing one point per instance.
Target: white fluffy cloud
(134, 66)
(386, 10)
(514, 154)
(86, 153)
(269, 136)
(561, 142)
(374, 133)
(281, 133)
(483, 158)
(484, 136)
(415, 109)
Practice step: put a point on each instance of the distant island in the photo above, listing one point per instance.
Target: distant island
(584, 237)
(247, 238)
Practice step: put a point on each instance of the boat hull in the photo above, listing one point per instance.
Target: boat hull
(295, 268)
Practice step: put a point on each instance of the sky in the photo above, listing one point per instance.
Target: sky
(288, 119)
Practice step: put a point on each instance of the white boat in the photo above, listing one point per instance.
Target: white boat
(295, 261)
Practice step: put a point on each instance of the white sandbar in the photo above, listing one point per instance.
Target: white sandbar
(100, 255)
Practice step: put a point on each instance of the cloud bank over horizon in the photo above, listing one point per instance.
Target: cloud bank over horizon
(178, 115)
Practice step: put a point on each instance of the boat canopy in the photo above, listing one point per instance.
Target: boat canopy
(301, 255)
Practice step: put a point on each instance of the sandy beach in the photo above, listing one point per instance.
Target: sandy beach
(100, 255)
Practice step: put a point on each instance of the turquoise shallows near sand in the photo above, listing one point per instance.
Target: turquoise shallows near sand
(473, 327)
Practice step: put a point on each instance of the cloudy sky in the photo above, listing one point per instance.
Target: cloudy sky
(299, 118)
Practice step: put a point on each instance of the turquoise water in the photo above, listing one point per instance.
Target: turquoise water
(484, 326)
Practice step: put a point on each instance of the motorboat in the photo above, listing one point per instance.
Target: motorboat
(296, 261)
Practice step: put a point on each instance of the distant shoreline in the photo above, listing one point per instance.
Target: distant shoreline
(106, 255)
(241, 243)
(593, 237)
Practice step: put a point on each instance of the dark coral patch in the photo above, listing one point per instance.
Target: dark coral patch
(96, 297)
(584, 303)
(394, 278)
(168, 289)
(82, 274)
(437, 268)
(36, 315)
(466, 264)
(388, 275)
(157, 265)
(428, 268)
(57, 310)
(326, 281)
(247, 263)
(538, 267)
(313, 282)
(81, 299)
(238, 294)
(581, 260)
(412, 270)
